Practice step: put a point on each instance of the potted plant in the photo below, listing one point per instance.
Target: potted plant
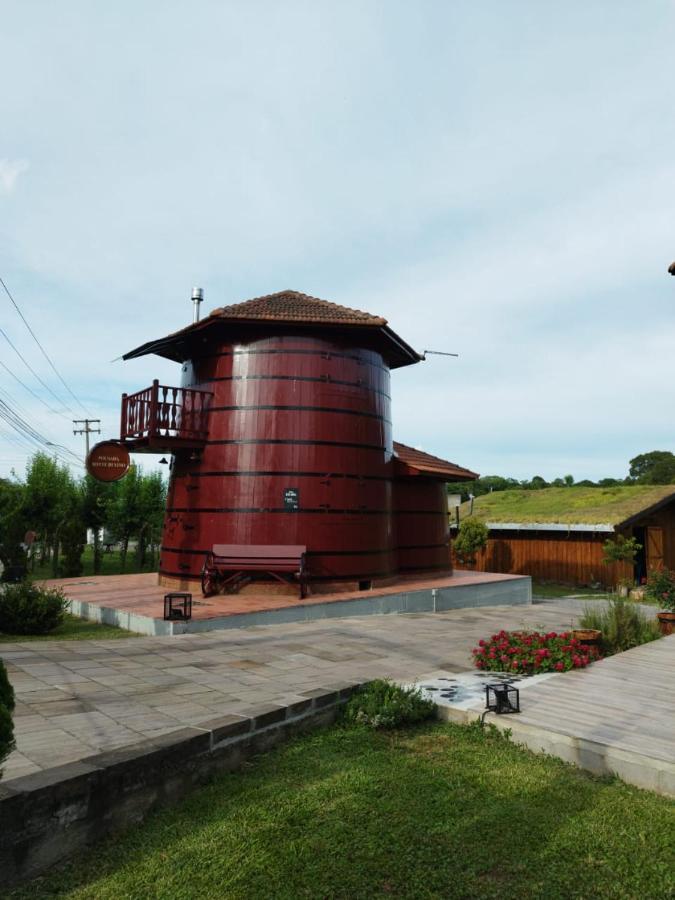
(661, 588)
(589, 637)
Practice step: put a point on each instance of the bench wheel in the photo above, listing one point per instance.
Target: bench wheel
(210, 581)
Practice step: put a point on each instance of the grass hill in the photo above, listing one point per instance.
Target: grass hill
(568, 505)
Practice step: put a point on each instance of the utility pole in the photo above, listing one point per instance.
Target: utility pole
(87, 430)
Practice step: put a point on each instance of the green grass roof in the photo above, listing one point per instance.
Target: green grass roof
(568, 505)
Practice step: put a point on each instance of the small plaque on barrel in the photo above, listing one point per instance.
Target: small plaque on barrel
(291, 498)
(108, 461)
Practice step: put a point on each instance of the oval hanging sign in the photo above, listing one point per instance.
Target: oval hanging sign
(108, 461)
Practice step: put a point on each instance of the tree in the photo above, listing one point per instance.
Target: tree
(72, 536)
(152, 500)
(620, 550)
(48, 501)
(481, 486)
(126, 512)
(12, 525)
(97, 496)
(655, 467)
(472, 536)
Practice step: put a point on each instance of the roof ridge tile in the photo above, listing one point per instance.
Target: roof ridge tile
(289, 305)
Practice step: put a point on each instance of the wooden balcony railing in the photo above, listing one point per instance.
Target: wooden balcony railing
(162, 416)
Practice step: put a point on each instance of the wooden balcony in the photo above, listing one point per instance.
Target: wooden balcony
(163, 419)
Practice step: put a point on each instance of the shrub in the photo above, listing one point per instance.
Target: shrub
(28, 609)
(622, 623)
(383, 704)
(531, 652)
(471, 537)
(620, 549)
(6, 707)
(660, 587)
(6, 689)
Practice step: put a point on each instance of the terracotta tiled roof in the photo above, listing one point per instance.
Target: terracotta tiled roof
(431, 465)
(292, 306)
(279, 312)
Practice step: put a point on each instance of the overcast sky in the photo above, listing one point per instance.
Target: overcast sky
(497, 179)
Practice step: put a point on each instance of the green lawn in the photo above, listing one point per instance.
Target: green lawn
(72, 629)
(545, 591)
(110, 565)
(442, 811)
(552, 591)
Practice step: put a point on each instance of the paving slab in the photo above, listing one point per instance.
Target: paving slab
(623, 704)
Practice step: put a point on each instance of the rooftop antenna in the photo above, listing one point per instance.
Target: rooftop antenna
(437, 353)
(197, 298)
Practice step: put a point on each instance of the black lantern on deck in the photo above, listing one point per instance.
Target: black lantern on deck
(502, 698)
(177, 607)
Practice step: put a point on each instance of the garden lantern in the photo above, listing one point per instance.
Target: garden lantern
(177, 607)
(502, 698)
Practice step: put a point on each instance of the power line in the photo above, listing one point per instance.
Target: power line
(32, 392)
(32, 370)
(11, 405)
(17, 439)
(18, 424)
(25, 430)
(44, 352)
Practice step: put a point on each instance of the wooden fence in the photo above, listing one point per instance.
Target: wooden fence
(567, 558)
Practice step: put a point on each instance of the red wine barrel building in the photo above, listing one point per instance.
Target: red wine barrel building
(281, 433)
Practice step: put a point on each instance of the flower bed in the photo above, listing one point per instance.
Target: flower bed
(531, 652)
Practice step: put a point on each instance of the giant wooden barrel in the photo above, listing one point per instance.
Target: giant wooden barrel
(299, 452)
(422, 527)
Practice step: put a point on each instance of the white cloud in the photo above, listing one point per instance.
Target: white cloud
(495, 181)
(10, 169)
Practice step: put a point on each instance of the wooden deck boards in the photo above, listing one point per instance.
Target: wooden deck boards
(626, 702)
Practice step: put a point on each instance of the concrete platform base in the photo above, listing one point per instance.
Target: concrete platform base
(135, 602)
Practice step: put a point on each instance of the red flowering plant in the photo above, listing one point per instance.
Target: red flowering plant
(531, 652)
(661, 588)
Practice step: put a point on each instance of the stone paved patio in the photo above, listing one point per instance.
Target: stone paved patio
(76, 698)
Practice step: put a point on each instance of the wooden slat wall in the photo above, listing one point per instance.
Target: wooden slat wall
(568, 559)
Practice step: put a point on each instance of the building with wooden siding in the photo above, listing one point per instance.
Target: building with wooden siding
(557, 534)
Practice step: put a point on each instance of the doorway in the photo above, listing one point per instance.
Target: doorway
(640, 569)
(654, 545)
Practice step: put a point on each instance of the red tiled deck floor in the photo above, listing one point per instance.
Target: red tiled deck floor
(140, 594)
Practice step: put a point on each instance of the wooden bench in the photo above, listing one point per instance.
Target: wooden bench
(284, 562)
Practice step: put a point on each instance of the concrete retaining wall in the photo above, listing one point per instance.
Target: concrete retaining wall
(510, 592)
(643, 771)
(47, 817)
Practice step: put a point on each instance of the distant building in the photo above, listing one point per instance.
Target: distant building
(556, 534)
